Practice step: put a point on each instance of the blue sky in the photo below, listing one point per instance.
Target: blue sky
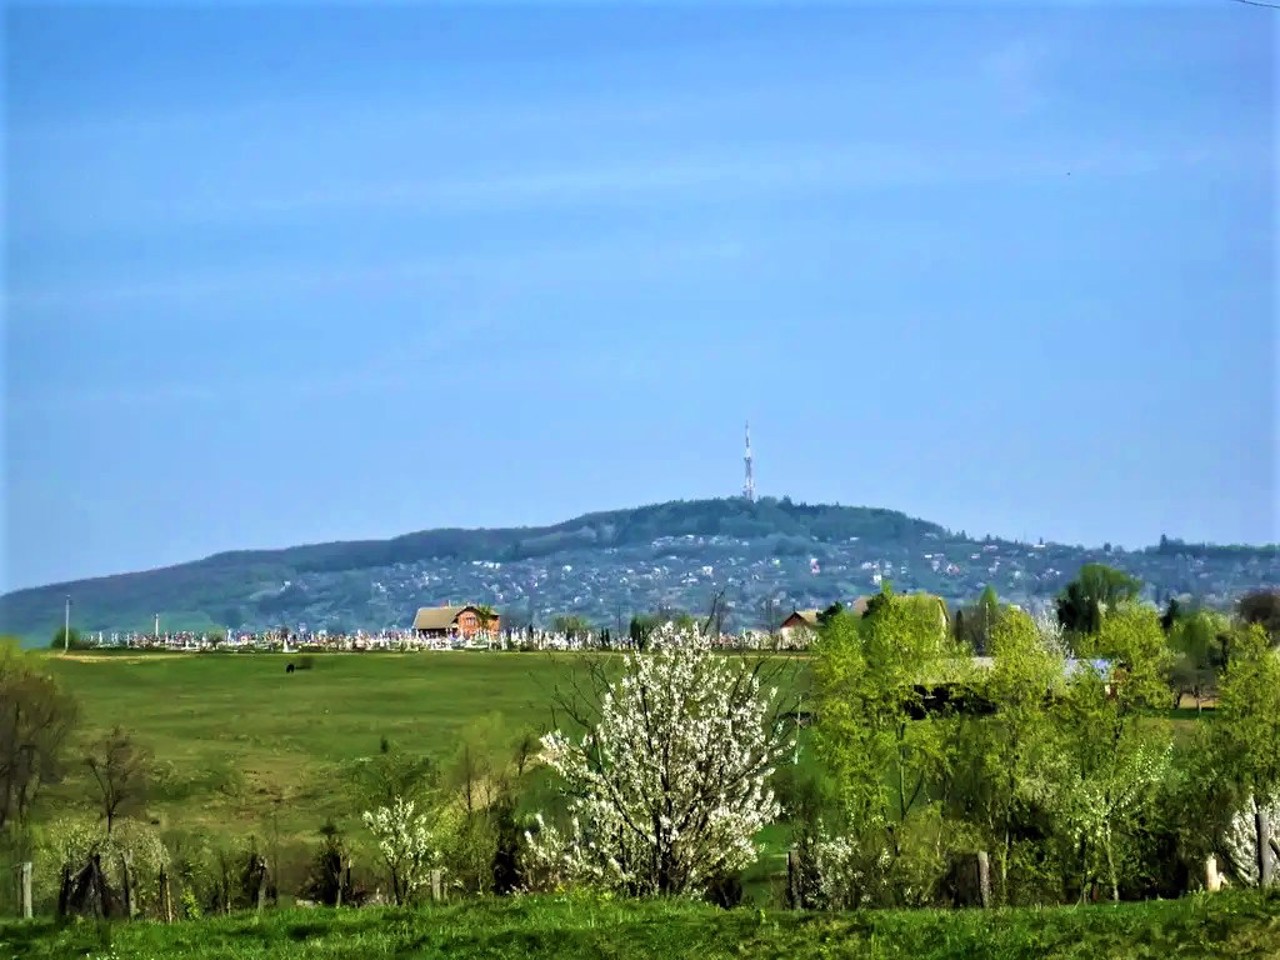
(278, 275)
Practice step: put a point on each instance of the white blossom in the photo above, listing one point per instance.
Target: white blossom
(668, 790)
(1240, 843)
(849, 876)
(1052, 636)
(406, 843)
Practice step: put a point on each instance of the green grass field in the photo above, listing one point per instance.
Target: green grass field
(1240, 925)
(232, 733)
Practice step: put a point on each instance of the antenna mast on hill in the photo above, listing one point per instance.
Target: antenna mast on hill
(749, 484)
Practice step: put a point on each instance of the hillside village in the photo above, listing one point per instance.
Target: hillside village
(762, 559)
(761, 585)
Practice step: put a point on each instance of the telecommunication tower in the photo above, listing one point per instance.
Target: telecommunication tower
(749, 484)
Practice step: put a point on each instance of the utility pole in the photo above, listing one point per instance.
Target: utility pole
(66, 626)
(749, 483)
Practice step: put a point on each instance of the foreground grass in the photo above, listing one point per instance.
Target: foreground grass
(1239, 925)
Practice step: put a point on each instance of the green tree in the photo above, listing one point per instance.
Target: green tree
(122, 772)
(1130, 638)
(36, 723)
(571, 625)
(1196, 640)
(830, 612)
(1246, 729)
(1096, 588)
(876, 602)
(481, 783)
(377, 781)
(885, 751)
(70, 640)
(973, 625)
(1020, 735)
(1263, 608)
(642, 626)
(1112, 753)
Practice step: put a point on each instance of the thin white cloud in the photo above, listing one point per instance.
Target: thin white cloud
(804, 168)
(448, 118)
(637, 258)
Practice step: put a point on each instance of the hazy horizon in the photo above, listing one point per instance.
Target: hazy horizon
(280, 276)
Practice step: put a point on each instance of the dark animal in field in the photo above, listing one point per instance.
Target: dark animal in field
(289, 668)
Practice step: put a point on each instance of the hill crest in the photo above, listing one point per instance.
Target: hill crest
(770, 546)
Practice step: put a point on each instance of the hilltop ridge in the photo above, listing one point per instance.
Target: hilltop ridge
(609, 564)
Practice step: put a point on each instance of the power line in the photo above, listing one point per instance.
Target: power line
(1259, 3)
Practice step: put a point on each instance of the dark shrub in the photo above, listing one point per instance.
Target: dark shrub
(725, 892)
(330, 870)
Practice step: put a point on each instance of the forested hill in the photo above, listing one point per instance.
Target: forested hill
(670, 554)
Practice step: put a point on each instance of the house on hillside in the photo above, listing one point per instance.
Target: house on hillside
(464, 621)
(799, 620)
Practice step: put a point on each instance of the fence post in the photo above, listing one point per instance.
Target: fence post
(26, 890)
(1266, 863)
(64, 891)
(793, 879)
(126, 871)
(984, 880)
(262, 883)
(166, 897)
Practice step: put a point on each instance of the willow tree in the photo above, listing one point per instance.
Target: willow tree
(888, 752)
(1112, 753)
(1020, 735)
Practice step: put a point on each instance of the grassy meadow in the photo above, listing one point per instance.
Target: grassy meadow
(233, 733)
(238, 740)
(244, 748)
(1242, 925)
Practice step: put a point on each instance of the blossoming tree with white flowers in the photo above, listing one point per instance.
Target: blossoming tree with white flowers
(668, 785)
(1245, 741)
(405, 840)
(1113, 752)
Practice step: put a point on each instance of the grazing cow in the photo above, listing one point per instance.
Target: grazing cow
(289, 668)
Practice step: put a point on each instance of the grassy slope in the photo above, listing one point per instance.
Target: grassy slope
(232, 730)
(1238, 925)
